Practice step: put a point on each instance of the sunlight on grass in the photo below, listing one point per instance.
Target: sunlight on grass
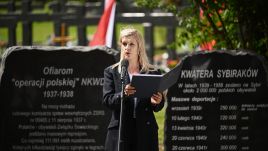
(3, 34)
(41, 32)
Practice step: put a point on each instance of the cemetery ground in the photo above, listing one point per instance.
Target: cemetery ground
(43, 30)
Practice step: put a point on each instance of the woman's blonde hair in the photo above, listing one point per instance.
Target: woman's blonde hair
(142, 56)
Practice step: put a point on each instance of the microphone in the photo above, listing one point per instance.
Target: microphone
(124, 66)
(121, 140)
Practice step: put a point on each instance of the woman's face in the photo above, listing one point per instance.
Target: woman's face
(129, 47)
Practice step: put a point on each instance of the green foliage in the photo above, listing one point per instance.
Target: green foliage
(233, 24)
(151, 4)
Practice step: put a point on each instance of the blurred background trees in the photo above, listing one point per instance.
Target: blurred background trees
(218, 24)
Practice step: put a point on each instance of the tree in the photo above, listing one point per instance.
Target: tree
(231, 24)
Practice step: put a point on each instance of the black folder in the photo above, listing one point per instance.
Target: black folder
(148, 84)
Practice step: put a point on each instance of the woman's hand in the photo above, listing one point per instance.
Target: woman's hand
(129, 90)
(156, 98)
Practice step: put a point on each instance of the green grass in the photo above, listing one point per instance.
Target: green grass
(42, 31)
(160, 118)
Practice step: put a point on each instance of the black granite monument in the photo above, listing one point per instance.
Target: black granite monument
(219, 103)
(51, 98)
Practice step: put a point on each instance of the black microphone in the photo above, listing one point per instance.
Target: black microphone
(124, 66)
(121, 140)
